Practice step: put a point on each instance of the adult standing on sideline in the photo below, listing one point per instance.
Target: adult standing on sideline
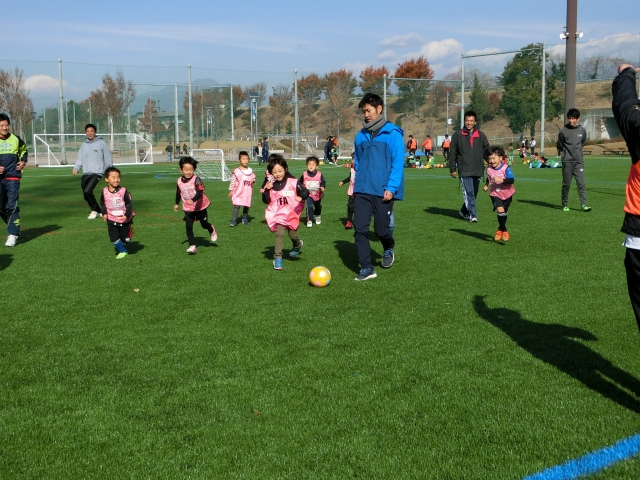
(427, 146)
(94, 158)
(265, 150)
(532, 145)
(571, 139)
(626, 110)
(469, 149)
(13, 157)
(379, 163)
(446, 147)
(412, 145)
(169, 150)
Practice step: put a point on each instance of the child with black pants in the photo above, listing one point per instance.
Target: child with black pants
(194, 202)
(117, 211)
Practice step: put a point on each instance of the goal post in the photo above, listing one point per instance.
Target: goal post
(125, 148)
(211, 164)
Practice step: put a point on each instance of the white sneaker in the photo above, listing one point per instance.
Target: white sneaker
(11, 241)
(93, 215)
(192, 250)
(309, 224)
(318, 220)
(214, 235)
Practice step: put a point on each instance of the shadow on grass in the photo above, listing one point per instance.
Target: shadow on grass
(134, 247)
(478, 235)
(347, 252)
(445, 212)
(558, 346)
(538, 203)
(5, 261)
(616, 193)
(28, 234)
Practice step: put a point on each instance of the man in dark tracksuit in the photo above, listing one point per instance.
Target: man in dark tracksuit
(571, 140)
(626, 110)
(469, 149)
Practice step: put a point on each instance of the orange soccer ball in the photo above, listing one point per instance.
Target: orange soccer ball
(320, 277)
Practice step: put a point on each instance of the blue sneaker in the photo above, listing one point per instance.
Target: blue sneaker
(387, 258)
(245, 221)
(277, 263)
(295, 251)
(366, 274)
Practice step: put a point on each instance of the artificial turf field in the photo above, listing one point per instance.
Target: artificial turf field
(467, 359)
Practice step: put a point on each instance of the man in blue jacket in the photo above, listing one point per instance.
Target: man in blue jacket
(379, 162)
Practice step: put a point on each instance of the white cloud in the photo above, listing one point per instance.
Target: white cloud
(623, 45)
(388, 56)
(402, 40)
(40, 83)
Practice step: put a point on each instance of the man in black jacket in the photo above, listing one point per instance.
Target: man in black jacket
(626, 110)
(469, 149)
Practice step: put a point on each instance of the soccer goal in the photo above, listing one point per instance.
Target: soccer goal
(211, 164)
(52, 150)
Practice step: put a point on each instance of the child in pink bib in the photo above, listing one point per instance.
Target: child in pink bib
(241, 188)
(190, 190)
(285, 198)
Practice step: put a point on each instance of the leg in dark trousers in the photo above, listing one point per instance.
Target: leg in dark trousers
(88, 184)
(567, 176)
(366, 207)
(350, 208)
(632, 266)
(310, 203)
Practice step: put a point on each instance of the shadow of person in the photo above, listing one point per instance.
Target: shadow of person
(5, 261)
(538, 203)
(478, 235)
(347, 253)
(445, 212)
(133, 247)
(558, 346)
(28, 234)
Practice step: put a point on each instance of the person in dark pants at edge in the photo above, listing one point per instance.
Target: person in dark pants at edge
(94, 158)
(469, 150)
(378, 163)
(626, 110)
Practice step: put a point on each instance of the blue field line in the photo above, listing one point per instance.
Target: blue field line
(592, 462)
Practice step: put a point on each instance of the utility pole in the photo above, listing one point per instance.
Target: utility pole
(570, 57)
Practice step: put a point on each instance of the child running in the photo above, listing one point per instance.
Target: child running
(500, 179)
(351, 179)
(117, 211)
(241, 188)
(313, 181)
(194, 202)
(285, 198)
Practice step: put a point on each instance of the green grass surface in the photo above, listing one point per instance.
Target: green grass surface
(467, 359)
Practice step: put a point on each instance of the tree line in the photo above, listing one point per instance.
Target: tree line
(326, 102)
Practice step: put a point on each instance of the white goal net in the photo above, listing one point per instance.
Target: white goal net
(211, 164)
(55, 150)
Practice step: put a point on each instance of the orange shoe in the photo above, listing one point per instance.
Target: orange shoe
(505, 236)
(498, 236)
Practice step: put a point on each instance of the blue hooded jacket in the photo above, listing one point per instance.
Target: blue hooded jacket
(379, 162)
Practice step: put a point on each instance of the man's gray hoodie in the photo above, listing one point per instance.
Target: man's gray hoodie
(94, 157)
(570, 140)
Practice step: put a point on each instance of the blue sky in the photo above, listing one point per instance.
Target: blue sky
(227, 40)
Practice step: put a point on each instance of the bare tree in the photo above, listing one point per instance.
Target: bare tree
(14, 99)
(280, 103)
(338, 91)
(260, 89)
(113, 98)
(598, 67)
(310, 92)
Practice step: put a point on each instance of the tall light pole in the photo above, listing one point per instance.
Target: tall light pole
(571, 35)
